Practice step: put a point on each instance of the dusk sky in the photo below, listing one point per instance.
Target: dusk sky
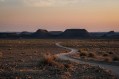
(30, 15)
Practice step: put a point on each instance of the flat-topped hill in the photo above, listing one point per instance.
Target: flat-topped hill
(75, 33)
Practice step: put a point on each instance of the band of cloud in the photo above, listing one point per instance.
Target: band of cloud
(50, 3)
(39, 3)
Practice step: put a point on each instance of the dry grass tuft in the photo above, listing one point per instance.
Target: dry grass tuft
(105, 54)
(110, 52)
(108, 59)
(83, 53)
(93, 55)
(50, 60)
(115, 58)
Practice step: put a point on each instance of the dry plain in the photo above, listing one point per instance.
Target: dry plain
(35, 59)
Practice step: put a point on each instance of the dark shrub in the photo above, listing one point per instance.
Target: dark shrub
(105, 55)
(83, 54)
(91, 55)
(110, 52)
(116, 58)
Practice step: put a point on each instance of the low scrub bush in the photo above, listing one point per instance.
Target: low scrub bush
(105, 55)
(116, 58)
(92, 55)
(108, 59)
(83, 53)
(110, 52)
(46, 59)
(50, 60)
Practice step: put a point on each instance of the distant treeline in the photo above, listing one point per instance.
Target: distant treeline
(67, 34)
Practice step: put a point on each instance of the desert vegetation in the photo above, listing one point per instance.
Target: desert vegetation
(35, 59)
(96, 49)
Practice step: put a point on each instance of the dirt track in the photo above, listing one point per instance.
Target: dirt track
(64, 56)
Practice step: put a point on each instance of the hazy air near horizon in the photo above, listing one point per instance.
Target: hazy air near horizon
(30, 15)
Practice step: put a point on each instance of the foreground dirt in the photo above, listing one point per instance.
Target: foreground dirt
(106, 50)
(68, 56)
(24, 59)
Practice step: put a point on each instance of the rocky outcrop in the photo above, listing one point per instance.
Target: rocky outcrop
(68, 34)
(41, 33)
(75, 33)
(111, 34)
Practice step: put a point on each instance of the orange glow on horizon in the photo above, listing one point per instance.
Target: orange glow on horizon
(89, 14)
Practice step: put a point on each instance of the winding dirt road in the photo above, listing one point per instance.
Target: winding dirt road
(64, 56)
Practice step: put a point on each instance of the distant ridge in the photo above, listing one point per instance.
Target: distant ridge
(67, 34)
(111, 34)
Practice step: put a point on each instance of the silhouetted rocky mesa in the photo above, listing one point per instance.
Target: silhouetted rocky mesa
(41, 33)
(111, 34)
(67, 34)
(75, 33)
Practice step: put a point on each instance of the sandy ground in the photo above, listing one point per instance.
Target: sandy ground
(24, 59)
(64, 56)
